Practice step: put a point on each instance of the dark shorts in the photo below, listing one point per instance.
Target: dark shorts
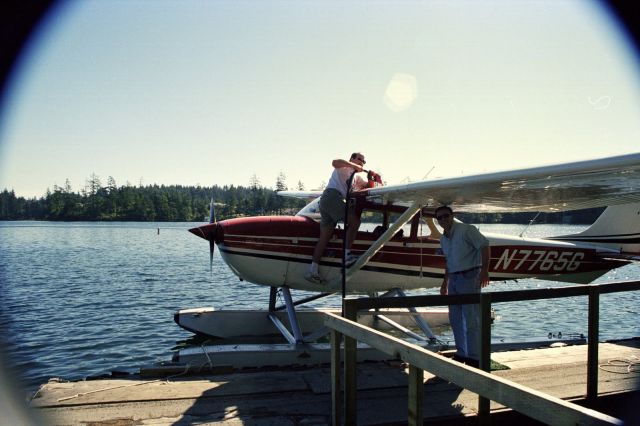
(332, 206)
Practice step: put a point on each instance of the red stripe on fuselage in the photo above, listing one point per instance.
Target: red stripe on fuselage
(296, 236)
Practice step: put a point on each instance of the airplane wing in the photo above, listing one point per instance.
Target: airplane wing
(300, 194)
(569, 186)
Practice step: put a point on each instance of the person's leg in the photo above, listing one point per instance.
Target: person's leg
(330, 204)
(354, 225)
(456, 319)
(325, 236)
(471, 315)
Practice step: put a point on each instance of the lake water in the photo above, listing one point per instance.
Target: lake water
(83, 299)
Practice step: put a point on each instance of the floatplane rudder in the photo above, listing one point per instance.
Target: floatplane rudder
(618, 228)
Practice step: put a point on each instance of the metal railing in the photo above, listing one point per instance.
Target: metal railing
(489, 387)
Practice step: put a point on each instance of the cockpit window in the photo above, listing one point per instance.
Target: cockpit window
(311, 210)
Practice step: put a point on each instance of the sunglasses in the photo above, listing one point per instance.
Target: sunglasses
(443, 216)
(361, 160)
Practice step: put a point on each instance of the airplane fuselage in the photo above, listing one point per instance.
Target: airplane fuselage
(276, 251)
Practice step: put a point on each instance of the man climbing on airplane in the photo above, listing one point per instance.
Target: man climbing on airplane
(467, 255)
(332, 208)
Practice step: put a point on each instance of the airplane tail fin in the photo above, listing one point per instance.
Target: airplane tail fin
(618, 228)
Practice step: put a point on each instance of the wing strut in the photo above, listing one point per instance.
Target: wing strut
(383, 239)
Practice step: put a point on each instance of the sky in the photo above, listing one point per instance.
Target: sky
(215, 92)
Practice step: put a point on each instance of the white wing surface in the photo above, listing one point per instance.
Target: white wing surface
(559, 187)
(300, 194)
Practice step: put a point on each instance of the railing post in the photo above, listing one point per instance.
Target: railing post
(336, 381)
(416, 394)
(350, 310)
(592, 345)
(484, 404)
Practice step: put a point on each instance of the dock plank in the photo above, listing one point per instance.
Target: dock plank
(565, 354)
(124, 390)
(302, 395)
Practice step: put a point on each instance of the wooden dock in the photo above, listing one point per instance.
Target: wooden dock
(303, 395)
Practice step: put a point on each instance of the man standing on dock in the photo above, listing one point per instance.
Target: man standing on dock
(467, 255)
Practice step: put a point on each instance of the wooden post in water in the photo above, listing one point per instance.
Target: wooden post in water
(350, 309)
(485, 353)
(336, 382)
(592, 345)
(416, 394)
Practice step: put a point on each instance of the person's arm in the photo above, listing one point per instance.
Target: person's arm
(445, 283)
(337, 163)
(484, 271)
(360, 181)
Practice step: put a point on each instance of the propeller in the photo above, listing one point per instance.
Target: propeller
(209, 232)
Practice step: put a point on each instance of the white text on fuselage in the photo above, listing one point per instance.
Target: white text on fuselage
(545, 260)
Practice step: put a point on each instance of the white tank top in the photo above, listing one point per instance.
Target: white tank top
(341, 175)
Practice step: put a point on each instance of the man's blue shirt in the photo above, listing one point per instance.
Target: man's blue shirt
(463, 248)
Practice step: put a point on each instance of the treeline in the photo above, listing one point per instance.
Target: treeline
(159, 203)
(175, 203)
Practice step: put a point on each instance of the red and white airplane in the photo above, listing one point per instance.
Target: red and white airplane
(276, 251)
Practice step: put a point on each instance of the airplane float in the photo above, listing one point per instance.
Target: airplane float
(403, 252)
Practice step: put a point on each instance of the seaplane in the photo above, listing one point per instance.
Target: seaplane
(403, 251)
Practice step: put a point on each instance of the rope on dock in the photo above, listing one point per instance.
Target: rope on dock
(209, 363)
(186, 370)
(66, 398)
(166, 380)
(621, 365)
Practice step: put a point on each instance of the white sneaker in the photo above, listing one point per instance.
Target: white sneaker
(350, 259)
(313, 278)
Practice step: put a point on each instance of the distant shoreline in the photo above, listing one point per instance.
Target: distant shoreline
(177, 203)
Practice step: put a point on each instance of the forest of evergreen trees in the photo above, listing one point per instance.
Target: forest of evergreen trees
(175, 203)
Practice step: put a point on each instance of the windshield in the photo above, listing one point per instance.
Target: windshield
(311, 210)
